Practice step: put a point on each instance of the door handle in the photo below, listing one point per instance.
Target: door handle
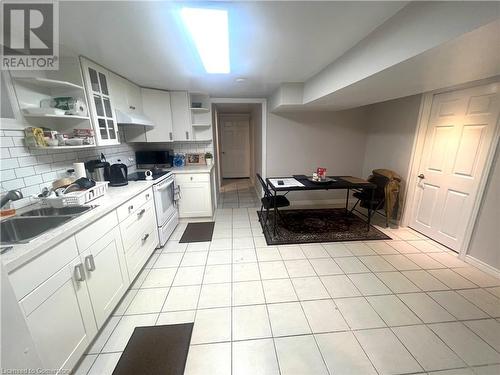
(146, 236)
(170, 135)
(421, 176)
(140, 213)
(79, 272)
(187, 135)
(89, 263)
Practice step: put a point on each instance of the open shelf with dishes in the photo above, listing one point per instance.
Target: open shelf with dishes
(54, 102)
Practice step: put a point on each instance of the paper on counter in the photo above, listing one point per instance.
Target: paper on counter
(287, 182)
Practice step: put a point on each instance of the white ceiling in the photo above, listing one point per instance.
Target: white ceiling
(270, 42)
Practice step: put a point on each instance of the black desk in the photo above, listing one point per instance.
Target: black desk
(338, 183)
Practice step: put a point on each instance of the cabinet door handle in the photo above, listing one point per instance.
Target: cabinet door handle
(79, 272)
(130, 208)
(146, 236)
(187, 135)
(170, 135)
(132, 107)
(140, 213)
(147, 196)
(89, 263)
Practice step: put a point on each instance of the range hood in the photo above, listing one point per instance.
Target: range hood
(132, 118)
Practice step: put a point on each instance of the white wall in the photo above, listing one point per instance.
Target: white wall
(485, 241)
(390, 131)
(256, 117)
(298, 143)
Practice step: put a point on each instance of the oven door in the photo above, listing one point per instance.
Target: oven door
(164, 200)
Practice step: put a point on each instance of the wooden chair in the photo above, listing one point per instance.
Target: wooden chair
(269, 201)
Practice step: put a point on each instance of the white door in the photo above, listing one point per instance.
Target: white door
(235, 144)
(106, 274)
(60, 319)
(459, 135)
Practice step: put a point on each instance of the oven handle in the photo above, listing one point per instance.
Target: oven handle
(164, 185)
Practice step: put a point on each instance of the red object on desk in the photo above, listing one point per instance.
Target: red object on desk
(321, 173)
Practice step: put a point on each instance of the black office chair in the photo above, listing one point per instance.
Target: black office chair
(269, 200)
(365, 196)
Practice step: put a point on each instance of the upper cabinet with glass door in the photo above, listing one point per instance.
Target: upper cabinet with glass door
(98, 96)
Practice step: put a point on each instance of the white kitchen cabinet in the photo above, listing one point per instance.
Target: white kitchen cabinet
(195, 192)
(60, 317)
(139, 231)
(96, 80)
(125, 94)
(181, 116)
(100, 102)
(106, 274)
(156, 106)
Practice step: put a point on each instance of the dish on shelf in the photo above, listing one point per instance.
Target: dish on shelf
(74, 142)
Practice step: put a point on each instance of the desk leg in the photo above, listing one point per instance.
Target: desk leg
(275, 214)
(347, 203)
(370, 209)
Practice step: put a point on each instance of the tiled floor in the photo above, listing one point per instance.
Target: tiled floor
(238, 193)
(388, 307)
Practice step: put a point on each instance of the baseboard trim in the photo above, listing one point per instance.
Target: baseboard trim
(482, 266)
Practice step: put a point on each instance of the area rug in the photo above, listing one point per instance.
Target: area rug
(156, 350)
(198, 232)
(318, 225)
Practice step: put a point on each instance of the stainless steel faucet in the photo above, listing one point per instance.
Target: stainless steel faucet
(12, 195)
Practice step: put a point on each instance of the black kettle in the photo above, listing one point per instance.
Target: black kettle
(116, 174)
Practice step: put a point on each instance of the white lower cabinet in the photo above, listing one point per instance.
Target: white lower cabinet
(60, 317)
(140, 237)
(68, 292)
(195, 194)
(105, 274)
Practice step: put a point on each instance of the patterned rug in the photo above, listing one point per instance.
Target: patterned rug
(318, 225)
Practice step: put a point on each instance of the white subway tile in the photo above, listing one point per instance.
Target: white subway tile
(31, 190)
(27, 161)
(18, 141)
(33, 180)
(7, 174)
(8, 163)
(6, 142)
(49, 176)
(19, 151)
(4, 153)
(26, 171)
(14, 133)
(13, 184)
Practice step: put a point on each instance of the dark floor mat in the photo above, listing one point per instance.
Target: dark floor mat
(198, 232)
(324, 225)
(156, 350)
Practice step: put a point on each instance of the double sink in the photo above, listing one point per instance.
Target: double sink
(30, 224)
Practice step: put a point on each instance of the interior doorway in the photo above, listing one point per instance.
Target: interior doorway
(239, 148)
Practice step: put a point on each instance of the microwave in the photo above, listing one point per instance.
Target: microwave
(153, 158)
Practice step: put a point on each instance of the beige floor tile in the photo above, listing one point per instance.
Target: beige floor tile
(255, 357)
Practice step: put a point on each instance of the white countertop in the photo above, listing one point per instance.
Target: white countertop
(114, 197)
(192, 169)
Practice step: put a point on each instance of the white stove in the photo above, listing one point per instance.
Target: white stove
(164, 192)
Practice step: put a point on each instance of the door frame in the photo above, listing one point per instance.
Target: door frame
(263, 105)
(416, 157)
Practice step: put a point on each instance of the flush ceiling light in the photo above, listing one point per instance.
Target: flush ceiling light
(209, 30)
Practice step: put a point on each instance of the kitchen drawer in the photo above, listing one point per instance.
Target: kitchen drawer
(96, 230)
(137, 223)
(140, 251)
(134, 204)
(183, 178)
(32, 274)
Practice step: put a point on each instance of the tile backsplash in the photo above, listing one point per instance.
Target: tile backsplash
(30, 170)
